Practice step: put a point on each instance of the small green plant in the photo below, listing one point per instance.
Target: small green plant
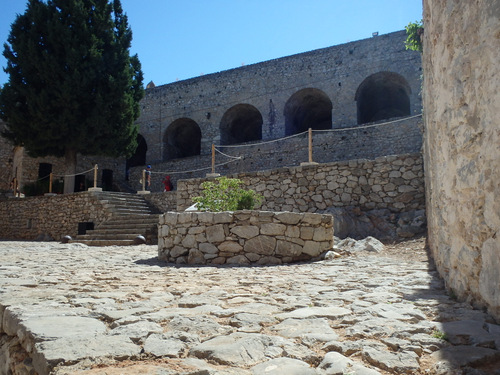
(414, 30)
(225, 194)
(437, 334)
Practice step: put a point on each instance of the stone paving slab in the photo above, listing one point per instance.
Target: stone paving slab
(74, 309)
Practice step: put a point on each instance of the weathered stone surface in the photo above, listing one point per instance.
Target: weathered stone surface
(283, 366)
(215, 233)
(272, 229)
(398, 362)
(245, 231)
(264, 245)
(230, 247)
(378, 310)
(235, 349)
(208, 248)
(288, 218)
(461, 146)
(163, 346)
(311, 248)
(195, 256)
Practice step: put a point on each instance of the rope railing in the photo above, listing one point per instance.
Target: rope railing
(216, 149)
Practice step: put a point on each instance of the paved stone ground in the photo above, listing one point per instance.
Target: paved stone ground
(73, 309)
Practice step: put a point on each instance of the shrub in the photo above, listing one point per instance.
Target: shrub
(225, 194)
(414, 30)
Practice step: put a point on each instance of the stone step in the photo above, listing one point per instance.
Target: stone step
(140, 229)
(109, 236)
(131, 216)
(105, 242)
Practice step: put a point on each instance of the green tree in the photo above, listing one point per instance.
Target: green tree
(73, 86)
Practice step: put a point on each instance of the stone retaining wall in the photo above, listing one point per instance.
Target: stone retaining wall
(391, 182)
(49, 217)
(400, 137)
(243, 237)
(166, 201)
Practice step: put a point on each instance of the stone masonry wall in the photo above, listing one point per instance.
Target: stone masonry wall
(337, 71)
(48, 217)
(396, 138)
(166, 201)
(462, 152)
(393, 182)
(243, 237)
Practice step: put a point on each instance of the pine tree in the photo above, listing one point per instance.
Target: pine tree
(73, 86)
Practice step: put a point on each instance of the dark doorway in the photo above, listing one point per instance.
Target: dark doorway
(307, 108)
(139, 157)
(382, 96)
(182, 139)
(241, 123)
(80, 183)
(44, 170)
(107, 179)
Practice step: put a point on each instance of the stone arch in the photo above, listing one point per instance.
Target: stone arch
(241, 123)
(139, 157)
(182, 139)
(382, 96)
(307, 108)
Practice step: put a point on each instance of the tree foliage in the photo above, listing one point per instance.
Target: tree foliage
(225, 194)
(73, 86)
(414, 31)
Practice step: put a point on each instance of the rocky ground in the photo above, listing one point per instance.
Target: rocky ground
(73, 309)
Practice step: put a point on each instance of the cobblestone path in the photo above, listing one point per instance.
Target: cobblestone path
(73, 309)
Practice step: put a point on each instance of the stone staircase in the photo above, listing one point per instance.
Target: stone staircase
(131, 216)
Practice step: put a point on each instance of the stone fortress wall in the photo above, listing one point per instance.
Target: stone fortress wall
(330, 90)
(336, 91)
(462, 152)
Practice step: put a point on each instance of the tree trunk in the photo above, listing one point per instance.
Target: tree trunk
(70, 170)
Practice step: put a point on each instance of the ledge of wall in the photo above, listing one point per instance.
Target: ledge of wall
(243, 237)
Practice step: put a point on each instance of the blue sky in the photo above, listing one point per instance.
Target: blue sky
(181, 39)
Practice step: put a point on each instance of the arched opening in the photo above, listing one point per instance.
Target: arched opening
(182, 139)
(382, 96)
(307, 108)
(241, 123)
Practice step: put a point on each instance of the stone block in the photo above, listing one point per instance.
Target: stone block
(208, 248)
(230, 247)
(306, 233)
(272, 229)
(288, 217)
(178, 251)
(245, 231)
(311, 248)
(238, 259)
(189, 241)
(286, 248)
(196, 257)
(215, 233)
(223, 218)
(264, 245)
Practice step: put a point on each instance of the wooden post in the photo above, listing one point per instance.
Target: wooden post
(213, 158)
(95, 176)
(143, 180)
(50, 182)
(15, 187)
(310, 146)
